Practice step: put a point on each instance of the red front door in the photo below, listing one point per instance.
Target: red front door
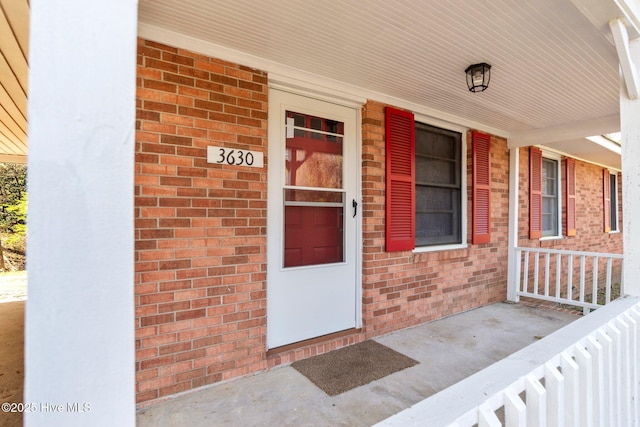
(313, 235)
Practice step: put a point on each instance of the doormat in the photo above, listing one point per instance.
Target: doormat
(350, 367)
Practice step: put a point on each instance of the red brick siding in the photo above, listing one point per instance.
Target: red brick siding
(200, 228)
(590, 234)
(200, 258)
(304, 350)
(401, 289)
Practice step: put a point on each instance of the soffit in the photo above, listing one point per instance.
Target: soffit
(14, 41)
(584, 149)
(551, 66)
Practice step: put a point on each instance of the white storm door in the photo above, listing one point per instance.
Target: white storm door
(312, 215)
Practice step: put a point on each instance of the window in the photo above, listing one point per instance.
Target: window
(425, 187)
(549, 197)
(570, 200)
(613, 188)
(438, 185)
(544, 194)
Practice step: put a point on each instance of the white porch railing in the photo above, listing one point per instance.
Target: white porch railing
(567, 277)
(585, 374)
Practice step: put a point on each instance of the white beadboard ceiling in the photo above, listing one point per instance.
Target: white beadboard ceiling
(554, 75)
(552, 68)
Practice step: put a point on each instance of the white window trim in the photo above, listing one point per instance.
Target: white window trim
(445, 247)
(552, 155)
(431, 121)
(617, 206)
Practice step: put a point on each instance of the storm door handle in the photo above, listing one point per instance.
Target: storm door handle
(355, 207)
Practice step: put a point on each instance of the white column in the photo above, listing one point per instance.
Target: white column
(630, 127)
(514, 212)
(79, 334)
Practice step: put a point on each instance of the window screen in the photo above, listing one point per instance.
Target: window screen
(549, 197)
(438, 185)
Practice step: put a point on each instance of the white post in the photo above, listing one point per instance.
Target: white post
(630, 127)
(514, 173)
(79, 334)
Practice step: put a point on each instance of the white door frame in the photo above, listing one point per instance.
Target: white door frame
(274, 222)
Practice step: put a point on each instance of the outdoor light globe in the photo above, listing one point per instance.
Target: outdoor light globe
(478, 76)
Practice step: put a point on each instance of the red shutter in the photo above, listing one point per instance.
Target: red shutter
(606, 191)
(571, 197)
(481, 144)
(535, 193)
(400, 181)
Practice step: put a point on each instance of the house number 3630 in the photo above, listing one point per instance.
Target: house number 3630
(234, 157)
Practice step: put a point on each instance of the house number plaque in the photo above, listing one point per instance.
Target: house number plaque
(235, 157)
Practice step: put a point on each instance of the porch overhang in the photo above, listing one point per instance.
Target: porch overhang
(555, 64)
(14, 51)
(555, 68)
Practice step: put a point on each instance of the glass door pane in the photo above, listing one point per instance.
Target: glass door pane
(314, 198)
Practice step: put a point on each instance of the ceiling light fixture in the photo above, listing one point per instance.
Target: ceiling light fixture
(478, 76)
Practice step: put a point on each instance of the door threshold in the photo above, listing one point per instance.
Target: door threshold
(312, 341)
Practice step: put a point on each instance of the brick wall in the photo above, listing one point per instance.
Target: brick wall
(200, 228)
(590, 235)
(401, 289)
(200, 258)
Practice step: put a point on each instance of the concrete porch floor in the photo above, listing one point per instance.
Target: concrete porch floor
(448, 350)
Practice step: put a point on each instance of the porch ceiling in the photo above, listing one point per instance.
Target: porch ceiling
(554, 76)
(14, 41)
(553, 68)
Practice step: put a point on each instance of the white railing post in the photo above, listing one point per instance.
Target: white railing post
(607, 298)
(583, 359)
(554, 383)
(546, 273)
(558, 274)
(625, 370)
(594, 281)
(513, 268)
(582, 268)
(536, 269)
(571, 372)
(516, 284)
(596, 350)
(525, 272)
(515, 411)
(607, 367)
(487, 418)
(616, 371)
(633, 317)
(536, 402)
(570, 277)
